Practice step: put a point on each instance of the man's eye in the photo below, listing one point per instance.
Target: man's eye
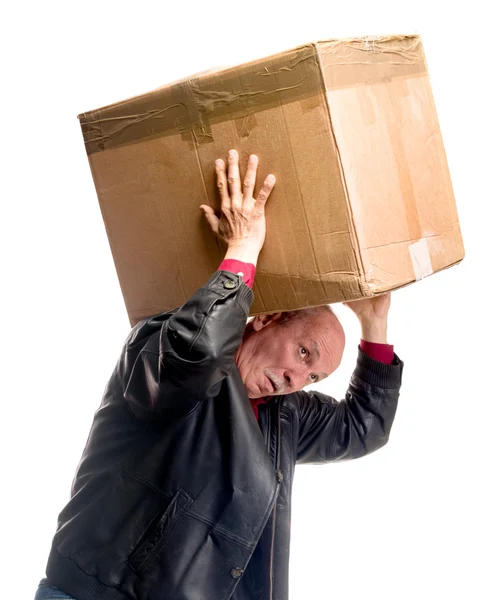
(313, 377)
(304, 351)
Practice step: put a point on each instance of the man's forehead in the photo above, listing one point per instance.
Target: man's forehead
(315, 347)
(316, 352)
(325, 345)
(318, 324)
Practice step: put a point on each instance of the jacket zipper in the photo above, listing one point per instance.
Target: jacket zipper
(277, 475)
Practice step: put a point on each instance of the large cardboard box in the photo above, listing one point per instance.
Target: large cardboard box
(363, 201)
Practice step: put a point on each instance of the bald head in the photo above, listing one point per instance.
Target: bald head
(306, 314)
(283, 352)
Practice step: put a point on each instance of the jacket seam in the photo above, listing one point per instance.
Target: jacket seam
(363, 439)
(220, 530)
(67, 557)
(145, 351)
(373, 386)
(241, 300)
(201, 327)
(162, 543)
(147, 483)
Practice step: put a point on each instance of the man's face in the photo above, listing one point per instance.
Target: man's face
(276, 359)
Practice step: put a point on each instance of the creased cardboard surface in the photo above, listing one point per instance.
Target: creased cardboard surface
(350, 130)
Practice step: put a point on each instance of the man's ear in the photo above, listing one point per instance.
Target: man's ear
(262, 321)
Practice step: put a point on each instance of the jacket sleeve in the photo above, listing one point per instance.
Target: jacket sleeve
(176, 359)
(358, 425)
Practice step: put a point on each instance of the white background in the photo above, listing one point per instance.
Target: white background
(422, 518)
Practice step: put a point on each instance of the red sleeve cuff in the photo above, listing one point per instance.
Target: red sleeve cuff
(383, 353)
(246, 270)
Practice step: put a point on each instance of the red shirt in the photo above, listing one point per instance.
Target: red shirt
(383, 353)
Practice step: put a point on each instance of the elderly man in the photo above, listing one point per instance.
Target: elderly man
(183, 491)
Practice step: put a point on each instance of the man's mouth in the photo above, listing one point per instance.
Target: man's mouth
(275, 381)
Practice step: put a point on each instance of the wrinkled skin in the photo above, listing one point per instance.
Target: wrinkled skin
(276, 359)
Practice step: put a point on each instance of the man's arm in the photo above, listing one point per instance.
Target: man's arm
(175, 359)
(360, 424)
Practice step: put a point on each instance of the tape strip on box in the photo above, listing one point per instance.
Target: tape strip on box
(420, 258)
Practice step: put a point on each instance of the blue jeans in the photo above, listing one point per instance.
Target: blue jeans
(46, 591)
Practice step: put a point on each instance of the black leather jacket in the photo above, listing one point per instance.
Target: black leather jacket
(180, 493)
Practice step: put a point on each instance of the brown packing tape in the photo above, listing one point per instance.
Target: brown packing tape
(380, 68)
(369, 60)
(404, 174)
(197, 103)
(244, 125)
(310, 103)
(193, 105)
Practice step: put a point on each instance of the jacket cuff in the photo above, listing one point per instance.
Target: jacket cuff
(222, 282)
(246, 270)
(379, 374)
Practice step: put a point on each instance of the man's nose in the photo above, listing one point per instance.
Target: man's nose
(296, 379)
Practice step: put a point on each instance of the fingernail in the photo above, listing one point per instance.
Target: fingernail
(219, 162)
(232, 153)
